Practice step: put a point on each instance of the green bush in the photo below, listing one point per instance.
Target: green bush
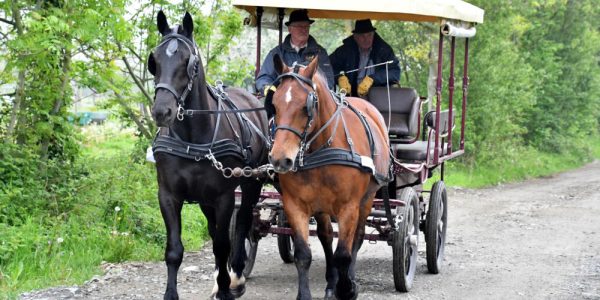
(57, 229)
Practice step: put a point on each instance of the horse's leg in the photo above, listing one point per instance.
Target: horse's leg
(325, 233)
(170, 208)
(347, 220)
(365, 210)
(298, 220)
(221, 245)
(250, 193)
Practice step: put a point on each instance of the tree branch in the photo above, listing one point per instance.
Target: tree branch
(131, 113)
(8, 21)
(135, 53)
(135, 79)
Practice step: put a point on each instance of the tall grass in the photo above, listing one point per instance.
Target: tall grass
(113, 216)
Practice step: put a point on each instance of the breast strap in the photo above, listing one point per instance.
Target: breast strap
(338, 156)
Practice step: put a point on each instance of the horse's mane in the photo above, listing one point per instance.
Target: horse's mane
(321, 78)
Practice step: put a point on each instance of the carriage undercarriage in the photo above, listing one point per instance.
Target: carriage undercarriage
(411, 211)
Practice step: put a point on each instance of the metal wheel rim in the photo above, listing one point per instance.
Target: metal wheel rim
(441, 230)
(410, 259)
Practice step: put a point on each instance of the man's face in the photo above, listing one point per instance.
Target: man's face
(299, 32)
(364, 40)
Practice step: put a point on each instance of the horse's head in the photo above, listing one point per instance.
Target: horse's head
(295, 106)
(174, 64)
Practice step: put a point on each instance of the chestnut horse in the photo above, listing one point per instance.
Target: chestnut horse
(202, 128)
(331, 155)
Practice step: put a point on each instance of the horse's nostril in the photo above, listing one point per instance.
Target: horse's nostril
(168, 113)
(287, 163)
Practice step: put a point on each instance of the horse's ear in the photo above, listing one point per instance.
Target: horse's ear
(278, 63)
(312, 67)
(151, 64)
(162, 23)
(188, 23)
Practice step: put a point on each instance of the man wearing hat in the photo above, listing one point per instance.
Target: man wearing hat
(362, 49)
(299, 47)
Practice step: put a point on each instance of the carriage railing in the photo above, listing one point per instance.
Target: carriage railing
(454, 32)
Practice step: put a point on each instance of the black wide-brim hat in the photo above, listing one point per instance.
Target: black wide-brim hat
(299, 15)
(363, 26)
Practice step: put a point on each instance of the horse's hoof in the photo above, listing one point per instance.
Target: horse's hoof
(352, 294)
(329, 294)
(222, 296)
(169, 295)
(238, 291)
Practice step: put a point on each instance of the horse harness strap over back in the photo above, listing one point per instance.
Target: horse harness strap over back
(167, 141)
(326, 155)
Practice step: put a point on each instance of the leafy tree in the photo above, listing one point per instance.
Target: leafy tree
(562, 43)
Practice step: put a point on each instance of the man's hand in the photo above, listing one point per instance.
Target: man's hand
(364, 86)
(344, 84)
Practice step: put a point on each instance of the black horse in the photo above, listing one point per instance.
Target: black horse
(204, 131)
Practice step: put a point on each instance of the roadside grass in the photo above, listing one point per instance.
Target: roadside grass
(529, 164)
(113, 216)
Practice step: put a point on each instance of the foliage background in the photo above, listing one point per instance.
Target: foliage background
(72, 197)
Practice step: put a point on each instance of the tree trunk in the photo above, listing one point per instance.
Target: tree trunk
(432, 78)
(58, 103)
(16, 109)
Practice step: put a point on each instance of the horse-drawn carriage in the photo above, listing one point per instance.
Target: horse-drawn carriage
(416, 153)
(323, 172)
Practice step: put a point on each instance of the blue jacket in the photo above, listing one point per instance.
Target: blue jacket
(347, 57)
(289, 55)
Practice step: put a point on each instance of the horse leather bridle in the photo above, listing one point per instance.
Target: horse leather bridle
(311, 104)
(192, 71)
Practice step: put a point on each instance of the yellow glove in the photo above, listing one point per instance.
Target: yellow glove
(344, 83)
(364, 86)
(268, 88)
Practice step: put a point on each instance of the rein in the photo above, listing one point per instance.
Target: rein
(216, 148)
(325, 155)
(305, 142)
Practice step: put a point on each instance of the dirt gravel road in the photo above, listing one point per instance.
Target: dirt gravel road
(538, 239)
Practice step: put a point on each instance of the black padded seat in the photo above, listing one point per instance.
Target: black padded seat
(404, 105)
(416, 151)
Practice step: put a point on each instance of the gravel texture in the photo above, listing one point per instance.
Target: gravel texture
(539, 239)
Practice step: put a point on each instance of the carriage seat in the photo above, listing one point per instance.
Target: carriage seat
(404, 105)
(417, 151)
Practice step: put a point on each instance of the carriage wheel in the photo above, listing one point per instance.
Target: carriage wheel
(251, 245)
(435, 227)
(405, 240)
(284, 241)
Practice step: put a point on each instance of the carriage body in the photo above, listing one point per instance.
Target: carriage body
(420, 141)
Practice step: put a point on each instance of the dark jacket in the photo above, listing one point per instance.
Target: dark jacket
(347, 57)
(289, 55)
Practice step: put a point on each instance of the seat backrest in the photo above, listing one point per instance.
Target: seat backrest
(404, 108)
(444, 125)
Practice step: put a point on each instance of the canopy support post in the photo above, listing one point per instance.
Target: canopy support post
(281, 15)
(465, 87)
(259, 13)
(438, 103)
(451, 95)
